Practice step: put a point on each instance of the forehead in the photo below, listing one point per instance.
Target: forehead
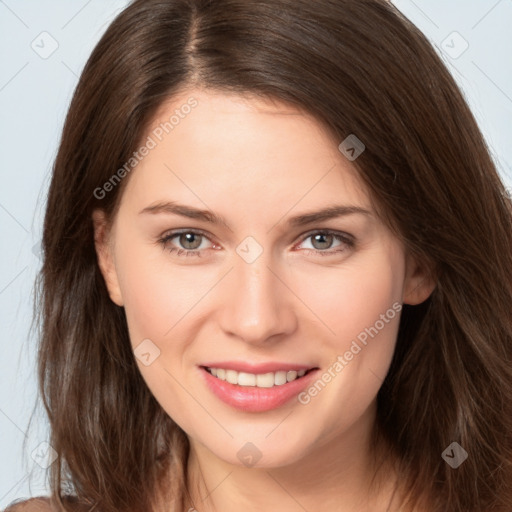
(259, 153)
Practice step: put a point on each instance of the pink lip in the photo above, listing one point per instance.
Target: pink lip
(253, 399)
(268, 367)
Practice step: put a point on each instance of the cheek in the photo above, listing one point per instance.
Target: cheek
(157, 296)
(353, 296)
(156, 293)
(362, 306)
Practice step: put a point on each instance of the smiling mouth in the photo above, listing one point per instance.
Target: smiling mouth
(262, 380)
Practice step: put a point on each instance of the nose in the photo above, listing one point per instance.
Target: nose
(257, 307)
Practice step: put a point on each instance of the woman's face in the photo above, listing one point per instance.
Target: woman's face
(264, 294)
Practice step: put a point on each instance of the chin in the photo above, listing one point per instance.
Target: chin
(262, 451)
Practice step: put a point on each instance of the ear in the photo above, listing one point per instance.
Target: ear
(104, 252)
(419, 282)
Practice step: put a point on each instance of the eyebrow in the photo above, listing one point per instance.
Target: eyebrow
(330, 212)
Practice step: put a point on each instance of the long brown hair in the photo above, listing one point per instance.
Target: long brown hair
(358, 66)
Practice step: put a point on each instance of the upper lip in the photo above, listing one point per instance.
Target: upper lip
(259, 368)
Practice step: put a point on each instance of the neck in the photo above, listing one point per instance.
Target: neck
(338, 474)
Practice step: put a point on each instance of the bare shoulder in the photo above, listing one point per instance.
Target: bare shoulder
(40, 504)
(30, 505)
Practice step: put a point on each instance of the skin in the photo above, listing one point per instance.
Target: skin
(257, 163)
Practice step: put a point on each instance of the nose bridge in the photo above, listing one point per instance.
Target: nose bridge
(257, 306)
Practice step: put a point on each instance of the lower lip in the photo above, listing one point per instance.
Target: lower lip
(252, 398)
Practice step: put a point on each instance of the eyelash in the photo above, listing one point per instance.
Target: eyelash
(345, 239)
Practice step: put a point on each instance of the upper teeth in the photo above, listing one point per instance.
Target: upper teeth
(264, 380)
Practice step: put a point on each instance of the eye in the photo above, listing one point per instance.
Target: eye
(190, 242)
(322, 241)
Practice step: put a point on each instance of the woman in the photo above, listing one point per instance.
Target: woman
(277, 270)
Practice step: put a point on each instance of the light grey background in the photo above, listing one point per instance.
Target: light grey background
(35, 89)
